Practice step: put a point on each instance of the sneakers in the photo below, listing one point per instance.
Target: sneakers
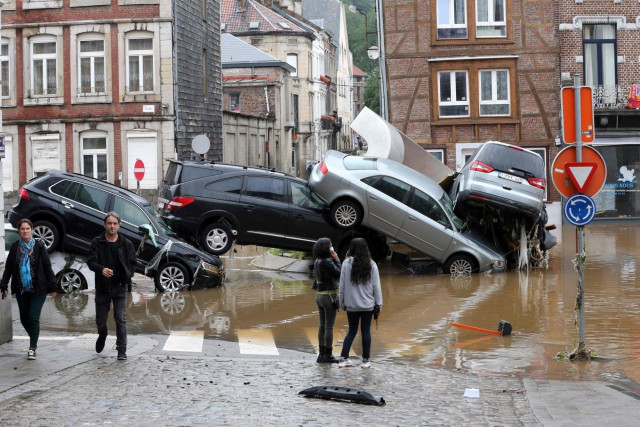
(345, 362)
(100, 343)
(122, 355)
(365, 363)
(31, 354)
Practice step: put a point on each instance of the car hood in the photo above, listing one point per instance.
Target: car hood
(186, 249)
(482, 240)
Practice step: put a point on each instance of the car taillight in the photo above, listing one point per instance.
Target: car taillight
(24, 194)
(323, 168)
(538, 182)
(515, 147)
(480, 167)
(178, 202)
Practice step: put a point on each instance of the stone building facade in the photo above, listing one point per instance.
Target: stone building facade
(460, 73)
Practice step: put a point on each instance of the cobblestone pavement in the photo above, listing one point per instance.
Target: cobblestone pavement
(169, 390)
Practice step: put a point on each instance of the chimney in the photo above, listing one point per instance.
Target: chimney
(242, 5)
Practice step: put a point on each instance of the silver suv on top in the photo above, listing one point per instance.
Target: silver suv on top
(403, 204)
(501, 176)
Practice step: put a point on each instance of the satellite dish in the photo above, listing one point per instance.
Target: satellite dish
(373, 52)
(200, 144)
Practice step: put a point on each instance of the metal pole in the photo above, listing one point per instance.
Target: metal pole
(579, 230)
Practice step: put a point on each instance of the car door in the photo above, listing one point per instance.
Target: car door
(386, 204)
(262, 213)
(84, 208)
(426, 227)
(306, 221)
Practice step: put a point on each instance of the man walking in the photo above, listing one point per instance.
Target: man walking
(112, 257)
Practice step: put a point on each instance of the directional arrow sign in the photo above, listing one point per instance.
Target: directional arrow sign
(580, 174)
(579, 209)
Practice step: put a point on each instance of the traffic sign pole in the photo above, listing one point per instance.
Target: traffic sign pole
(580, 258)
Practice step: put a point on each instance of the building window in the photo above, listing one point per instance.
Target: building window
(599, 47)
(94, 155)
(494, 93)
(91, 72)
(292, 59)
(490, 18)
(5, 81)
(44, 80)
(453, 93)
(140, 69)
(452, 19)
(437, 153)
(234, 102)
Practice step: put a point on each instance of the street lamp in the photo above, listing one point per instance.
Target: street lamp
(372, 51)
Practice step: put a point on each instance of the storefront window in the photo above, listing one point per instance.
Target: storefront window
(620, 195)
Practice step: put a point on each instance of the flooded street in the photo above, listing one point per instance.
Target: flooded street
(414, 326)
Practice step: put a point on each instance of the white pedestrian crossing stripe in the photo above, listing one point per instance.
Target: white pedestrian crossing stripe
(188, 341)
(257, 342)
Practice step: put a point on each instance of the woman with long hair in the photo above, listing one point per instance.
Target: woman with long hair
(360, 293)
(326, 269)
(29, 268)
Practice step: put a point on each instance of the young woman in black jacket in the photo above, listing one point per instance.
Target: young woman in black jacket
(29, 268)
(326, 268)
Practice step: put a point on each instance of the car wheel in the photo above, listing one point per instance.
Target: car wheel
(47, 233)
(346, 214)
(459, 265)
(71, 281)
(172, 276)
(216, 238)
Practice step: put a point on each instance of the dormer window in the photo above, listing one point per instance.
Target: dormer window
(254, 25)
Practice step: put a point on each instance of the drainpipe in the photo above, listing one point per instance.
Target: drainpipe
(384, 103)
(266, 97)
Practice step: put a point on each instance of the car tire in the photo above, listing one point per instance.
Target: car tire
(346, 214)
(216, 238)
(171, 276)
(379, 252)
(47, 233)
(460, 264)
(70, 281)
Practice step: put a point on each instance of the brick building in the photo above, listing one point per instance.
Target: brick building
(600, 41)
(460, 73)
(359, 85)
(105, 82)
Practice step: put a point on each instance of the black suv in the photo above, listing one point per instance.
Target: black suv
(215, 203)
(67, 211)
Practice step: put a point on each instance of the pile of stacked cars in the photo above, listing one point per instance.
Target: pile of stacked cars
(68, 210)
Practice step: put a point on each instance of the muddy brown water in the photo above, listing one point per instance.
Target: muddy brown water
(415, 323)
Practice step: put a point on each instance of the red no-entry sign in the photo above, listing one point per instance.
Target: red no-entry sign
(138, 170)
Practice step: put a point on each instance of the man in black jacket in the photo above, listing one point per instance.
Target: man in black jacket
(112, 257)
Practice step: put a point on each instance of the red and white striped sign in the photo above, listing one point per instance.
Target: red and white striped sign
(138, 170)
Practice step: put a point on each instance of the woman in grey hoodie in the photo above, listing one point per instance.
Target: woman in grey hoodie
(359, 293)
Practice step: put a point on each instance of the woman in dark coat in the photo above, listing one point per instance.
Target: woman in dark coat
(29, 268)
(326, 268)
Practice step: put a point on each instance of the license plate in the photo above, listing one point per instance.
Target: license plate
(510, 177)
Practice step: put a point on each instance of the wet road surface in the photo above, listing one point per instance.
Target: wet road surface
(414, 326)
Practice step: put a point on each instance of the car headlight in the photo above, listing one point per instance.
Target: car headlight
(212, 268)
(497, 264)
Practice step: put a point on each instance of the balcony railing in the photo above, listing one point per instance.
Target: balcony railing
(610, 96)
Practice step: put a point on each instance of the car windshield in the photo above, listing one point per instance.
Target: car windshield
(447, 204)
(168, 231)
(360, 163)
(504, 158)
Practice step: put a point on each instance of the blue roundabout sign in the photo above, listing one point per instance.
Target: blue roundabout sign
(579, 209)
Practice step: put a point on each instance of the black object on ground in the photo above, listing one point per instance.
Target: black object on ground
(504, 327)
(345, 394)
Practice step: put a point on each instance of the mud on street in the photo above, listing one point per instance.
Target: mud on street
(414, 326)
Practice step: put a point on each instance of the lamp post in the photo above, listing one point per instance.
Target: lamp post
(372, 51)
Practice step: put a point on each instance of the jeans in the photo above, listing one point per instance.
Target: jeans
(103, 302)
(327, 319)
(30, 306)
(364, 318)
